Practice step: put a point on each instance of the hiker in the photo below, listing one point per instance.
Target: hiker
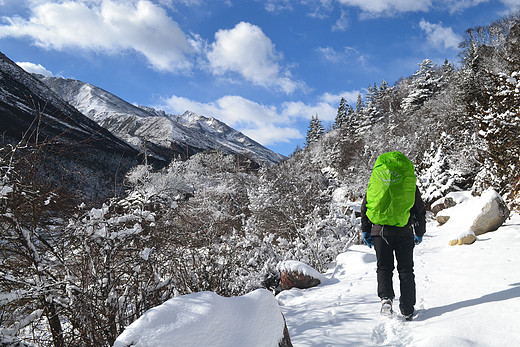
(393, 221)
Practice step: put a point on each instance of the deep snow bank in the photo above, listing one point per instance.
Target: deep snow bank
(207, 319)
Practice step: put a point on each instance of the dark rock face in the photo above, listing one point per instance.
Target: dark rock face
(290, 280)
(286, 340)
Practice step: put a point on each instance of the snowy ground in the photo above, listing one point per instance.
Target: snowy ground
(466, 296)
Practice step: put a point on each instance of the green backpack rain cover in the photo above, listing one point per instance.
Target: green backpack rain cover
(391, 190)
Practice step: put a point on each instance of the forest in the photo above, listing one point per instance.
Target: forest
(76, 274)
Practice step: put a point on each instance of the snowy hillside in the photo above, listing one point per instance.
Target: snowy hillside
(189, 131)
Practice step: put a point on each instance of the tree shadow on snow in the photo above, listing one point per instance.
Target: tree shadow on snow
(503, 295)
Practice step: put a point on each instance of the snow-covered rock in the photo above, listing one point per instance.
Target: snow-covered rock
(466, 238)
(474, 215)
(296, 274)
(207, 319)
(493, 212)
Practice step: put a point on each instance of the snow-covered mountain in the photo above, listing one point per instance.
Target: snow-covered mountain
(167, 134)
(74, 152)
(25, 102)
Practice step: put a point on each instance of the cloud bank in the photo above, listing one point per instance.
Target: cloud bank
(105, 26)
(35, 68)
(265, 124)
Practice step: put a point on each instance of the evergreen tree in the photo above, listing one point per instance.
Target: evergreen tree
(360, 105)
(373, 106)
(424, 85)
(343, 112)
(315, 131)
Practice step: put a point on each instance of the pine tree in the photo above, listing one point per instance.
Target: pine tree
(343, 112)
(373, 108)
(315, 131)
(424, 85)
(360, 105)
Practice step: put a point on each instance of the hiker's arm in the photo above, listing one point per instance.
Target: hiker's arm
(419, 210)
(366, 224)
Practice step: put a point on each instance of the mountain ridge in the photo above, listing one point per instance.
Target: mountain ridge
(59, 145)
(186, 133)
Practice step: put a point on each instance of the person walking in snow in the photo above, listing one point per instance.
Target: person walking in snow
(393, 220)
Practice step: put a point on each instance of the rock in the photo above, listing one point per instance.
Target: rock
(442, 204)
(492, 215)
(464, 239)
(290, 280)
(442, 219)
(286, 340)
(295, 274)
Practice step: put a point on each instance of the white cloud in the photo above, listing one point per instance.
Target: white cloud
(330, 54)
(270, 134)
(266, 124)
(440, 36)
(342, 22)
(386, 7)
(334, 99)
(512, 4)
(276, 6)
(461, 5)
(379, 8)
(299, 109)
(260, 122)
(108, 26)
(348, 55)
(246, 50)
(34, 68)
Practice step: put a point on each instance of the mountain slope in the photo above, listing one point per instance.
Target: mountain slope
(188, 133)
(466, 295)
(71, 151)
(24, 100)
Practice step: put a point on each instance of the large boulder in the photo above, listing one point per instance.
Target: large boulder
(295, 274)
(478, 216)
(442, 219)
(492, 214)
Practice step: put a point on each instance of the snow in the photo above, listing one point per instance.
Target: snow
(207, 319)
(466, 296)
(468, 207)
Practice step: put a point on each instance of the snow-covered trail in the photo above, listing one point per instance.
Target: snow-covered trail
(466, 296)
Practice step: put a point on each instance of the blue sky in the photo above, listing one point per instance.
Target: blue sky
(262, 67)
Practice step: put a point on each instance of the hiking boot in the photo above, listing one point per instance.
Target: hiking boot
(386, 307)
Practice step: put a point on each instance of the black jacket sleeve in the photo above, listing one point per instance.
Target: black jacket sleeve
(418, 212)
(366, 224)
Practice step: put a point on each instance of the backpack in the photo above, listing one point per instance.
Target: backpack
(391, 190)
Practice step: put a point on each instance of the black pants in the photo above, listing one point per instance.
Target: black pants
(403, 248)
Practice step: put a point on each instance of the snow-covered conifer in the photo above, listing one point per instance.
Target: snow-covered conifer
(315, 131)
